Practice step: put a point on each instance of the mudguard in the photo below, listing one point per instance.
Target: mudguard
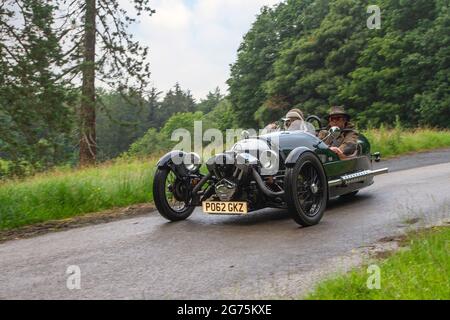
(293, 156)
(174, 157)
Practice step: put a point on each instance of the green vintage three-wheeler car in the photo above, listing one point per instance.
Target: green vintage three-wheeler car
(291, 169)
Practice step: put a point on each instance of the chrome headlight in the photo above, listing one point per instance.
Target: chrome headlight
(192, 161)
(269, 162)
(245, 160)
(250, 145)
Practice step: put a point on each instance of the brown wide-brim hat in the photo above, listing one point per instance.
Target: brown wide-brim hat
(338, 111)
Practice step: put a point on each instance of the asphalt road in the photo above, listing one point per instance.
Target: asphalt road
(262, 255)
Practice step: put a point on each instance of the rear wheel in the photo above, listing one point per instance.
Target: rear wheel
(306, 190)
(171, 196)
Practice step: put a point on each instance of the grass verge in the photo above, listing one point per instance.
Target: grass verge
(420, 272)
(400, 141)
(64, 193)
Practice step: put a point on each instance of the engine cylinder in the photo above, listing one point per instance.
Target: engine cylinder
(225, 190)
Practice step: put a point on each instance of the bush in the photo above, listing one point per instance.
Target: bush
(222, 116)
(4, 168)
(153, 142)
(20, 169)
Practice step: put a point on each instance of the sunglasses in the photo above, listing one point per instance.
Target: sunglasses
(337, 118)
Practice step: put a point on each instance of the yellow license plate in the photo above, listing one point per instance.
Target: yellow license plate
(217, 207)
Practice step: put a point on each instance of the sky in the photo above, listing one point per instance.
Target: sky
(193, 42)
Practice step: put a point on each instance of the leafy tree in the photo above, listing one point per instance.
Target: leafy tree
(35, 117)
(310, 71)
(176, 100)
(288, 60)
(211, 101)
(100, 48)
(182, 120)
(119, 123)
(222, 116)
(153, 105)
(254, 65)
(154, 142)
(400, 63)
(261, 47)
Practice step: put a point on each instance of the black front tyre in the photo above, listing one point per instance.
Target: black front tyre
(170, 196)
(306, 190)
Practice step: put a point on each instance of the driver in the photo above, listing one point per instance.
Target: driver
(345, 145)
(292, 116)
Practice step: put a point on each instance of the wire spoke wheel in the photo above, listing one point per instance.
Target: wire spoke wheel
(175, 193)
(171, 195)
(309, 189)
(306, 190)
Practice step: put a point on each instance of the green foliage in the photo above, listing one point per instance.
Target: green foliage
(418, 273)
(272, 110)
(399, 70)
(211, 101)
(120, 122)
(399, 141)
(260, 49)
(399, 64)
(35, 116)
(311, 69)
(101, 47)
(254, 65)
(221, 117)
(63, 192)
(175, 100)
(153, 105)
(123, 120)
(181, 121)
(154, 142)
(5, 168)
(14, 169)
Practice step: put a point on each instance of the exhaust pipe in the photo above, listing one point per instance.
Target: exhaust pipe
(263, 187)
(356, 177)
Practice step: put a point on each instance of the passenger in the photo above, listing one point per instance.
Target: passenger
(291, 117)
(346, 144)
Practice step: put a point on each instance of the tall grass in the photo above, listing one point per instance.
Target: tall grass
(63, 193)
(397, 141)
(418, 273)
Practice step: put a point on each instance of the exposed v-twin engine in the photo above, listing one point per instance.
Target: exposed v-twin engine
(225, 189)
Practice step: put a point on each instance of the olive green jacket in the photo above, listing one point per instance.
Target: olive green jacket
(347, 140)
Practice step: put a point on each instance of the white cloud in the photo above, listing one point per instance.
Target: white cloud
(172, 15)
(194, 41)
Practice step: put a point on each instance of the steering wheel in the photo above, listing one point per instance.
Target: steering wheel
(315, 119)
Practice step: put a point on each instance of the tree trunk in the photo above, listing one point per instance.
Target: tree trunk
(88, 147)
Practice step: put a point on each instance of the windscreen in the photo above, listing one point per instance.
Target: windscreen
(301, 125)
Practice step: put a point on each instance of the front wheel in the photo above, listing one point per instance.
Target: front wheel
(306, 190)
(171, 196)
